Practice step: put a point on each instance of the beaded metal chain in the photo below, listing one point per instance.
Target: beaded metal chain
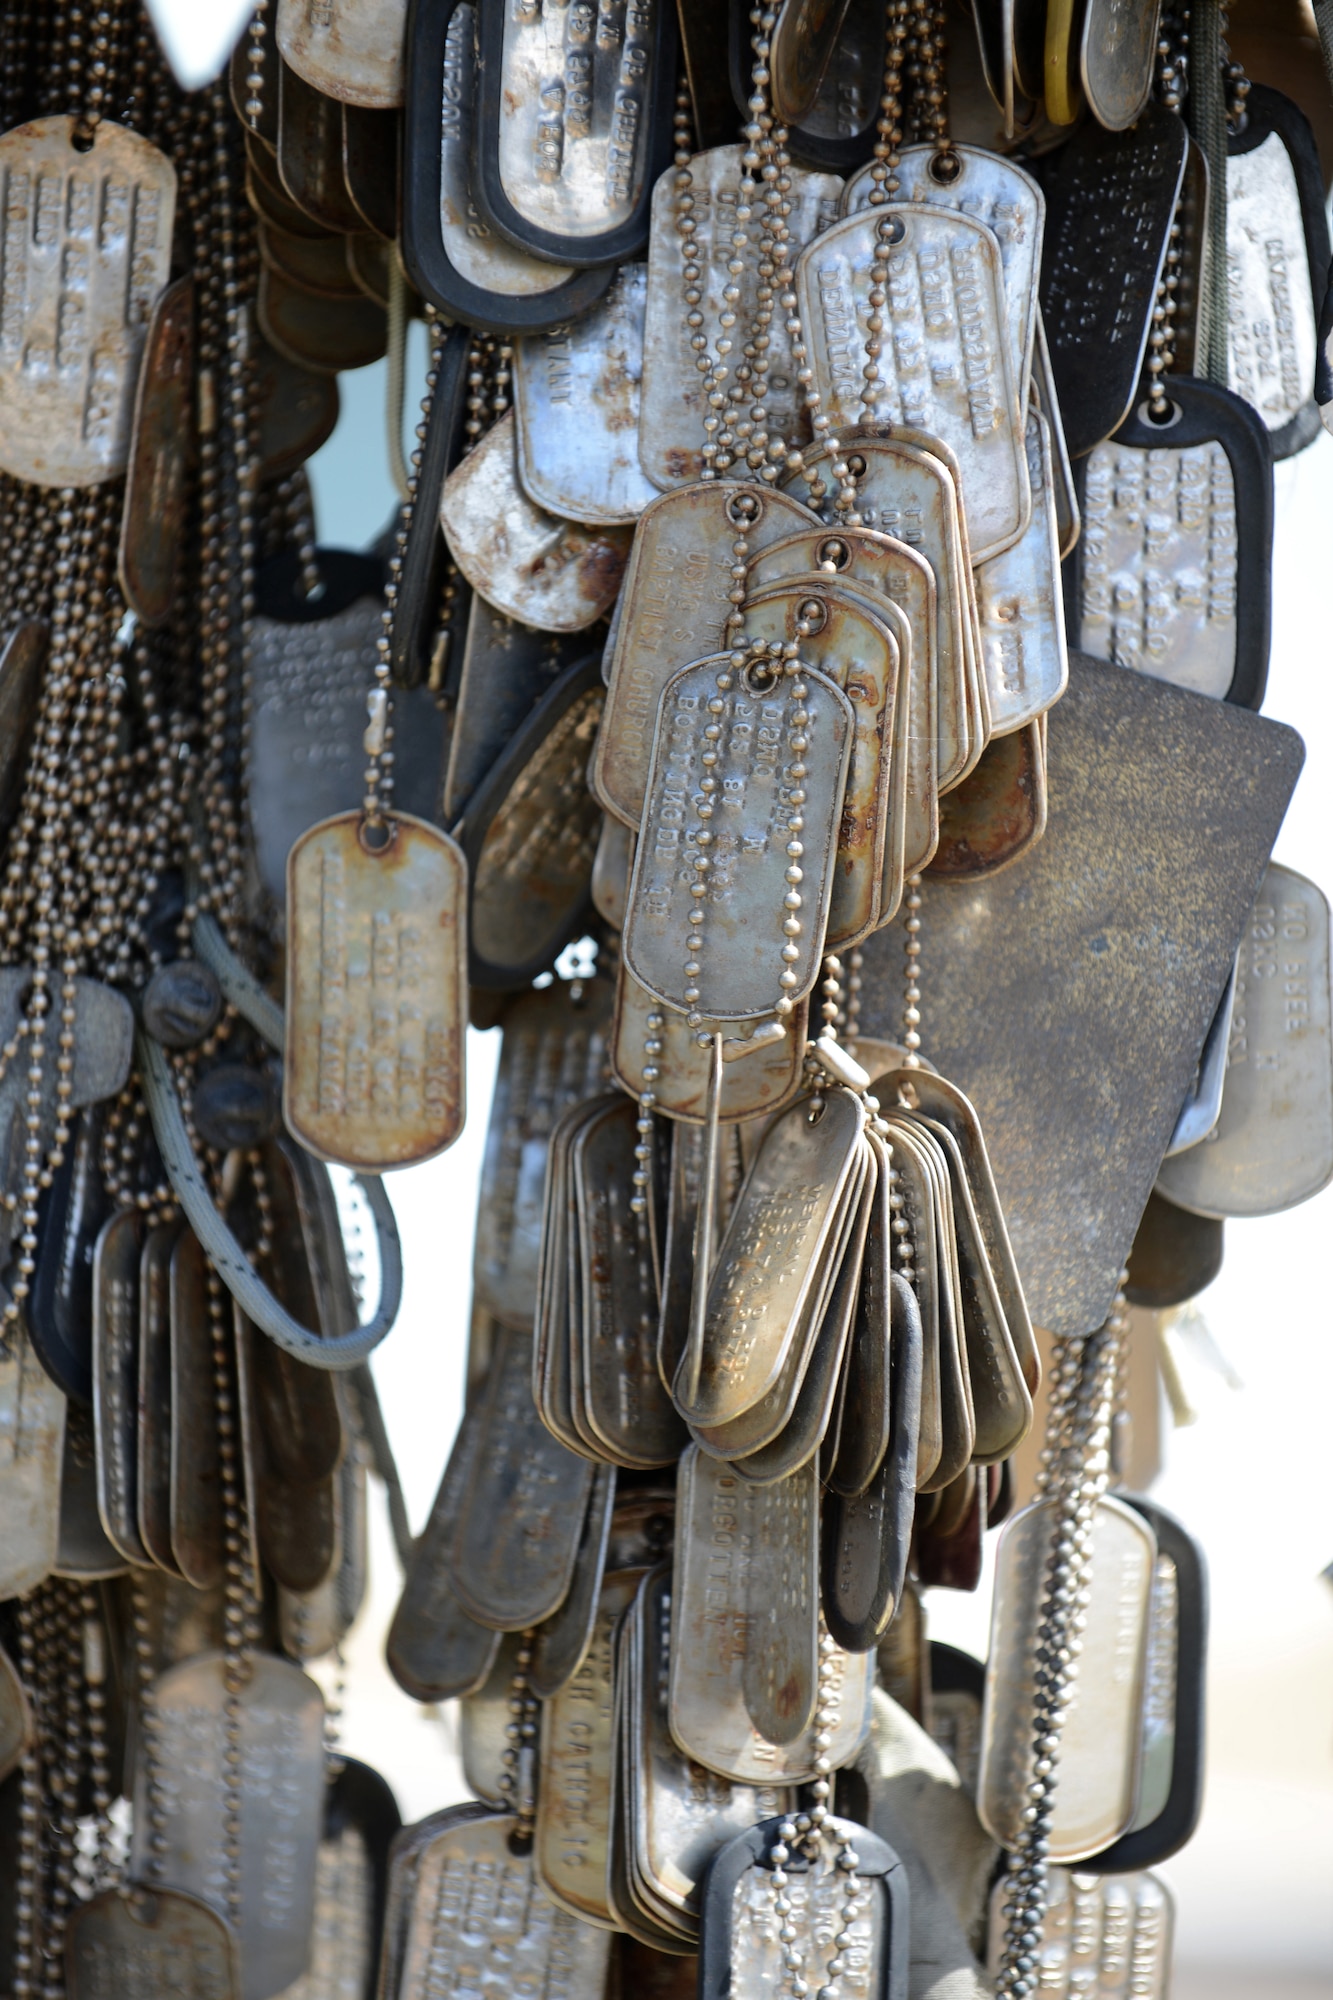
(518, 1776)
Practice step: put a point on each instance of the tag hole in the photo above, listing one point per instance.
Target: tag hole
(1165, 422)
(744, 510)
(82, 140)
(835, 552)
(519, 1843)
(893, 231)
(376, 836)
(945, 169)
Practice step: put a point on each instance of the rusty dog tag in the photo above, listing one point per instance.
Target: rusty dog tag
(87, 249)
(348, 49)
(21, 662)
(161, 446)
(761, 1079)
(998, 811)
(297, 411)
(133, 1942)
(321, 334)
(376, 1003)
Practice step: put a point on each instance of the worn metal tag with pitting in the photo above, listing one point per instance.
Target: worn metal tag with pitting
(739, 848)
(376, 991)
(348, 49)
(1020, 606)
(87, 249)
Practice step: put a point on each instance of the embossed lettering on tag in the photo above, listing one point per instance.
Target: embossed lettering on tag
(376, 999)
(148, 1940)
(86, 250)
(1271, 317)
(1101, 1936)
(348, 49)
(1020, 606)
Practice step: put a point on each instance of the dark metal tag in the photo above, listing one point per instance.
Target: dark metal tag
(836, 127)
(1173, 1256)
(418, 607)
(161, 447)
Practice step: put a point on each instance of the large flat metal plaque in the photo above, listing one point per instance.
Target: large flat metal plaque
(1101, 954)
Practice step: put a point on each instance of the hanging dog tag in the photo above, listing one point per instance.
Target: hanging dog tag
(837, 128)
(148, 1940)
(760, 1078)
(453, 256)
(562, 1643)
(196, 1476)
(297, 411)
(371, 144)
(1277, 265)
(672, 609)
(87, 250)
(1174, 1255)
(1100, 1731)
(576, 402)
(1172, 574)
(1101, 1937)
(322, 334)
(279, 1720)
(1203, 1100)
(1021, 608)
(507, 668)
(553, 574)
(348, 49)
(675, 392)
(1110, 206)
(376, 1004)
(1116, 57)
(70, 1213)
(314, 264)
(310, 148)
(161, 446)
(999, 810)
(154, 1495)
(1272, 1145)
(435, 1651)
(747, 852)
(948, 369)
(32, 1443)
(116, 1381)
(574, 125)
(779, 1679)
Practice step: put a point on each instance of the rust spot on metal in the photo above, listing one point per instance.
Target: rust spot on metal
(997, 812)
(601, 567)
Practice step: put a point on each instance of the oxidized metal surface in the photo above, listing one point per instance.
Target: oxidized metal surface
(562, 1643)
(376, 1001)
(1104, 950)
(997, 812)
(1020, 605)
(519, 1532)
(610, 867)
(87, 249)
(1175, 1253)
(997, 192)
(507, 668)
(801, 46)
(769, 1260)
(348, 49)
(322, 334)
(310, 153)
(154, 1495)
(553, 1054)
(1109, 211)
(1272, 1145)
(15, 1716)
(817, 1897)
(315, 263)
(760, 1081)
(481, 1927)
(1102, 1723)
(675, 394)
(554, 574)
(948, 370)
(281, 1729)
(572, 1832)
(1158, 563)
(779, 1679)
(1102, 1938)
(747, 851)
(710, 1622)
(196, 1473)
(116, 1381)
(130, 1944)
(576, 405)
(21, 662)
(161, 445)
(297, 411)
(1272, 318)
(1116, 57)
(675, 600)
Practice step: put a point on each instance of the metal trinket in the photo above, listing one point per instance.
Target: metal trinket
(128, 1942)
(1020, 606)
(161, 447)
(507, 668)
(1099, 1932)
(116, 1309)
(348, 49)
(1117, 51)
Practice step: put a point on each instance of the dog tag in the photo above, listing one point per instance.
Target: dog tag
(837, 129)
(562, 1643)
(1272, 1145)
(315, 264)
(138, 1941)
(1174, 1255)
(675, 391)
(556, 575)
(507, 668)
(371, 143)
(780, 1673)
(995, 191)
(376, 962)
(574, 125)
(453, 256)
(1110, 205)
(15, 1716)
(948, 370)
(1100, 1728)
(279, 1720)
(672, 609)
(70, 1214)
(435, 1651)
(1100, 1937)
(32, 1445)
(610, 868)
(859, 1435)
(1068, 523)
(1277, 265)
(83, 1554)
(998, 811)
(1203, 1099)
(160, 450)
(479, 1923)
(710, 1623)
(1117, 52)
(344, 1940)
(196, 1477)
(87, 251)
(1020, 607)
(1172, 574)
(154, 1456)
(297, 411)
(576, 403)
(309, 158)
(116, 1381)
(761, 1079)
(1200, 786)
(326, 335)
(745, 970)
(348, 49)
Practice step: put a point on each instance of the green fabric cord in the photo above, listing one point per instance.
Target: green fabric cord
(1206, 113)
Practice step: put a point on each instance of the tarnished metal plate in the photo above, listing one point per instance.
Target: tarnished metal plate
(59, 1307)
(801, 47)
(1173, 1256)
(779, 1680)
(84, 1553)
(348, 49)
(32, 1446)
(1116, 57)
(281, 1742)
(372, 141)
(1272, 1145)
(1101, 1726)
(15, 1716)
(756, 1083)
(21, 661)
(576, 401)
(948, 369)
(269, 199)
(1020, 605)
(325, 335)
(675, 392)
(297, 411)
(480, 1926)
(161, 446)
(1172, 573)
(747, 851)
(1102, 1936)
(672, 610)
(1105, 949)
(1277, 261)
(1110, 205)
(610, 869)
(315, 263)
(556, 575)
(87, 249)
(435, 1650)
(507, 668)
(116, 1381)
(562, 1642)
(137, 1941)
(1203, 1099)
(196, 1472)
(310, 152)
(154, 1492)
(376, 1000)
(997, 192)
(998, 811)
